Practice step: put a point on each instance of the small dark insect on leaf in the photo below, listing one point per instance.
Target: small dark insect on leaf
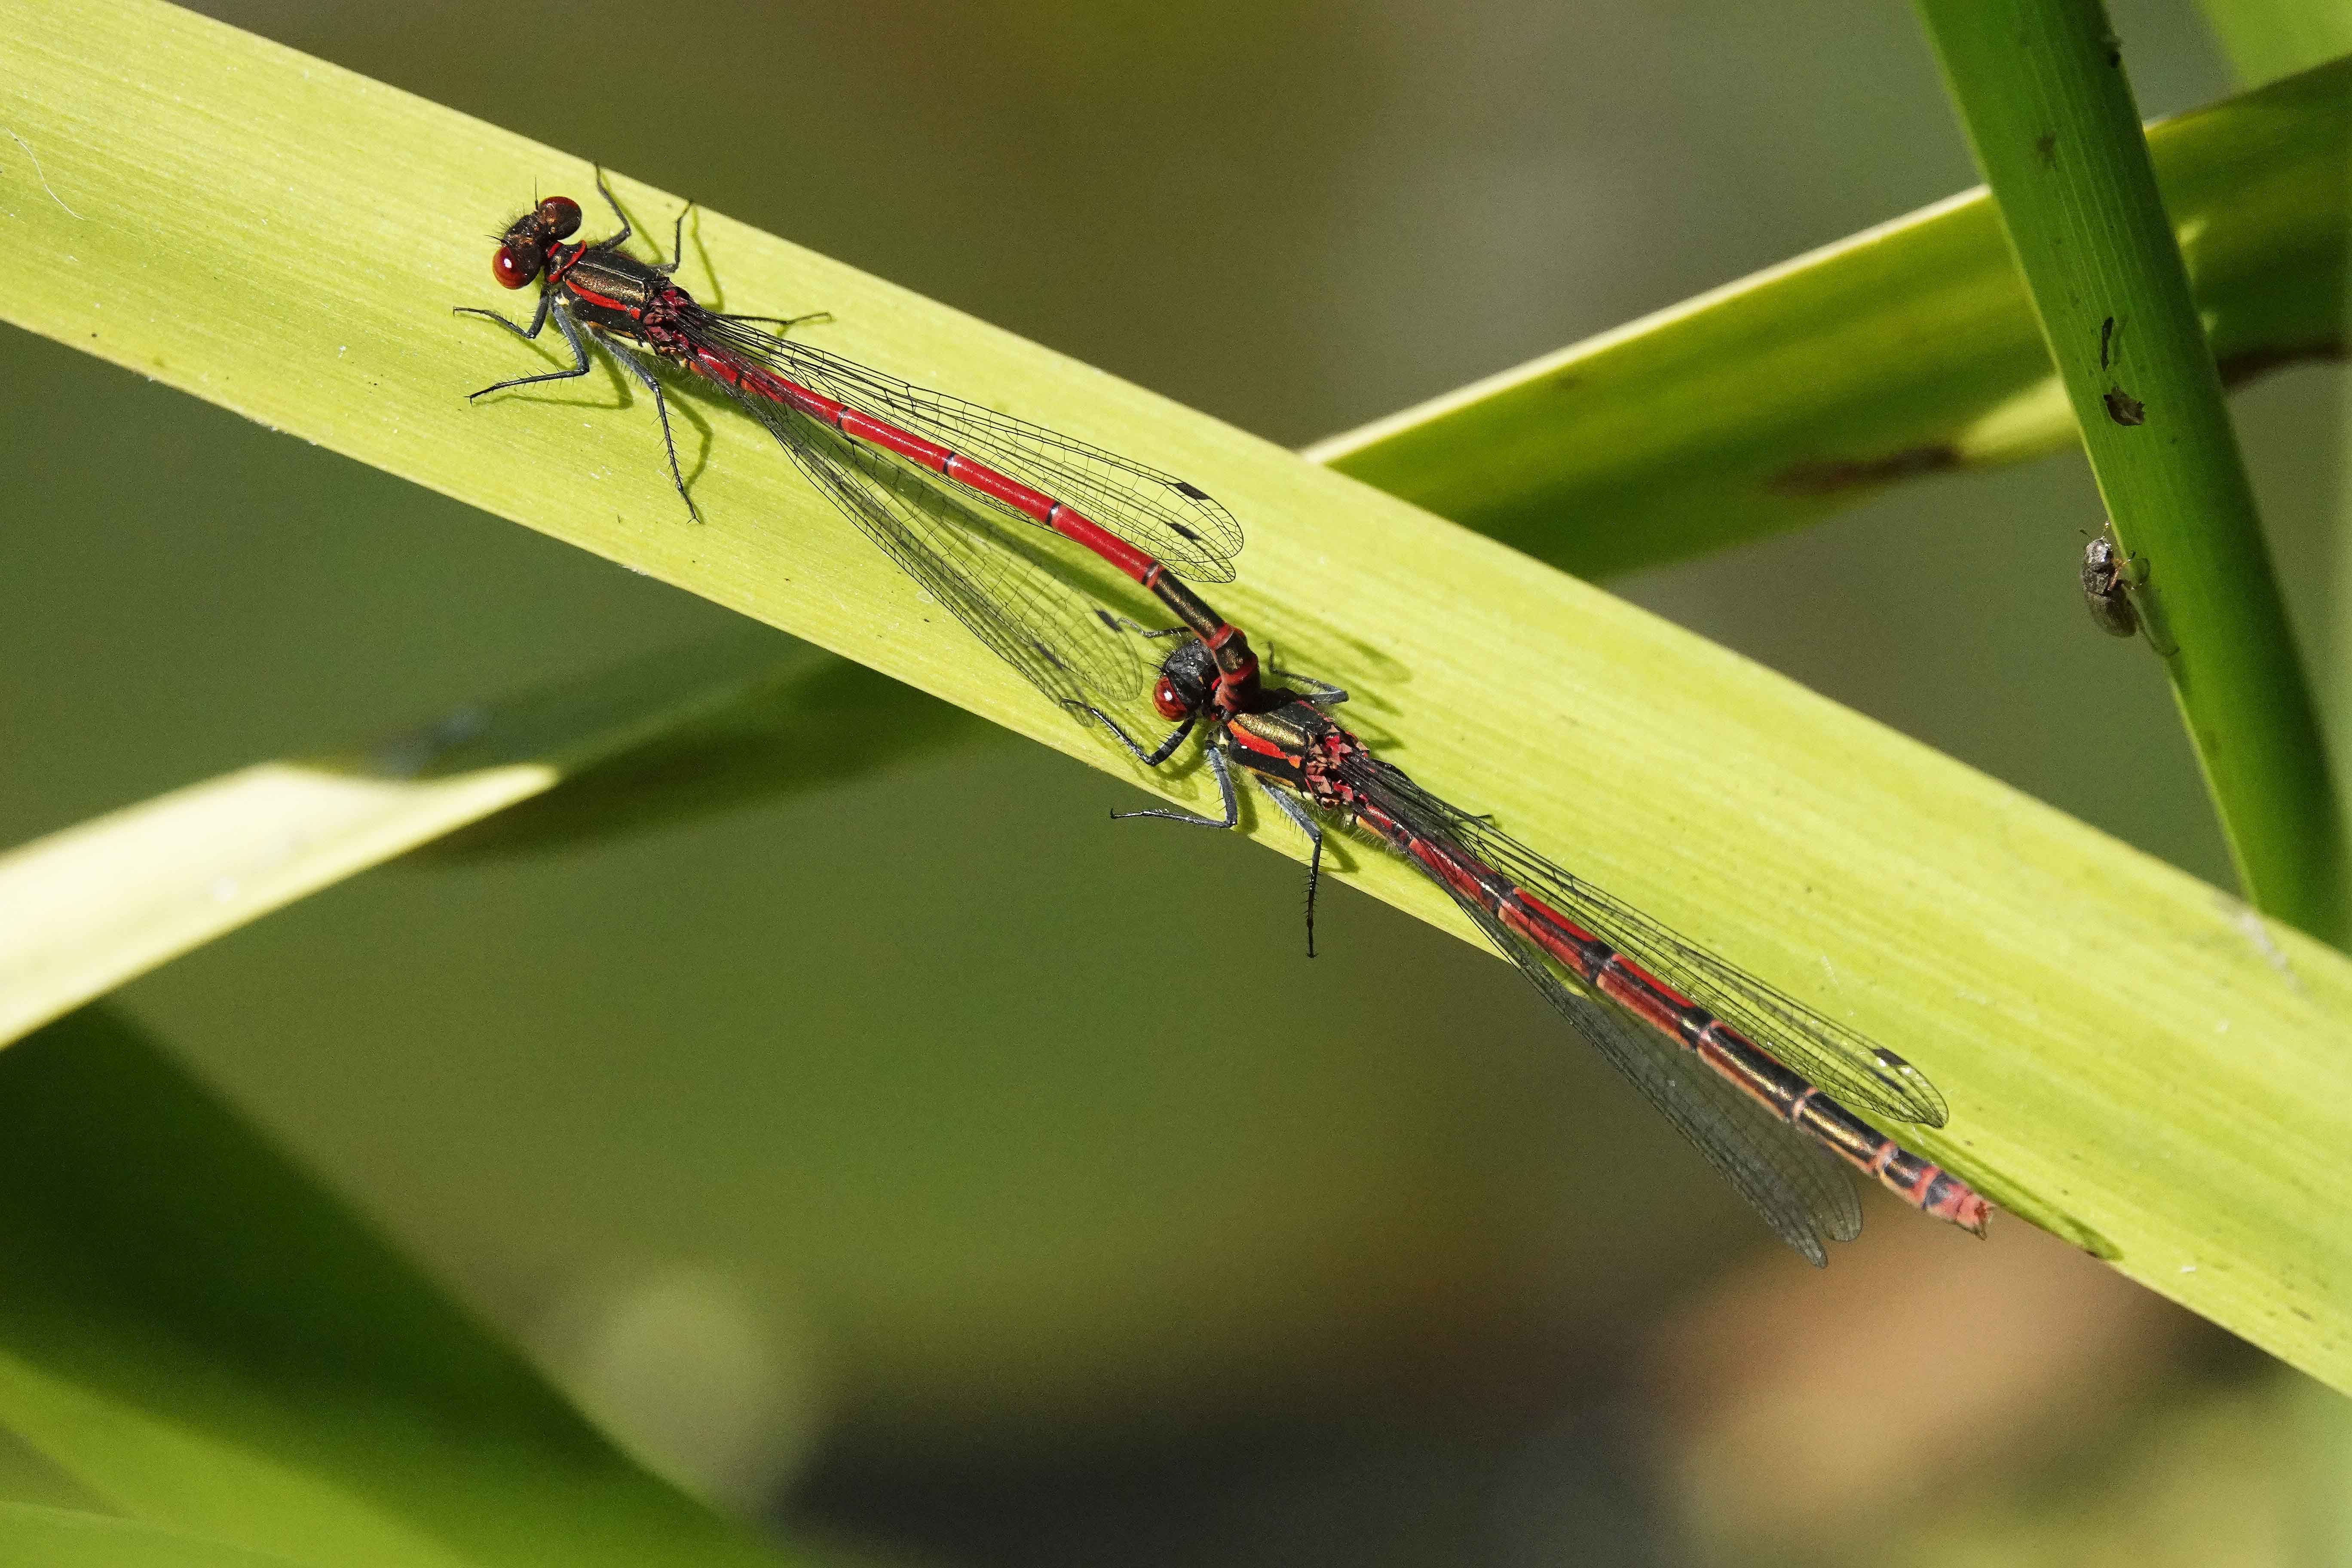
(2124, 408)
(2122, 600)
(2105, 589)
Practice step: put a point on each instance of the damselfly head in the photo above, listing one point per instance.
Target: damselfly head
(522, 251)
(1186, 677)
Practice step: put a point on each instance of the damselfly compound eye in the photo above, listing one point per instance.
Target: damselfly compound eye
(511, 269)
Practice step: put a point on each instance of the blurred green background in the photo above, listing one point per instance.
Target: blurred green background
(800, 1142)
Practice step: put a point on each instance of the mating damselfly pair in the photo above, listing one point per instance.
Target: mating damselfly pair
(1767, 1088)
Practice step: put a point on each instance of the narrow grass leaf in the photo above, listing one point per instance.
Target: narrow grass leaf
(85, 910)
(1907, 351)
(2266, 39)
(34, 1537)
(2040, 87)
(2131, 1058)
(196, 1334)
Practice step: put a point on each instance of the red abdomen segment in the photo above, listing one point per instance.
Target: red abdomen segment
(1730, 1054)
(1236, 664)
(1029, 501)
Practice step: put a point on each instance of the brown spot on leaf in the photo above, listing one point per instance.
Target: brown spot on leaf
(2245, 365)
(2045, 147)
(1831, 475)
(2124, 408)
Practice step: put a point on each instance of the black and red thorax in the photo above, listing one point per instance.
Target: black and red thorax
(1293, 742)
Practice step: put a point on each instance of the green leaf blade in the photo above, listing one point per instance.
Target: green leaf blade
(1907, 351)
(36, 1537)
(2086, 1010)
(197, 1333)
(2040, 89)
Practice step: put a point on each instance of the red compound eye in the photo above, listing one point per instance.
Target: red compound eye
(1164, 698)
(561, 214)
(510, 269)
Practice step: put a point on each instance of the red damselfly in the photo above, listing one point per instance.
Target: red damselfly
(930, 479)
(1761, 1083)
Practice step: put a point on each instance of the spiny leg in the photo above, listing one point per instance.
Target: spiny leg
(1305, 822)
(1224, 771)
(1152, 759)
(563, 323)
(606, 192)
(1322, 693)
(661, 408)
(529, 334)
